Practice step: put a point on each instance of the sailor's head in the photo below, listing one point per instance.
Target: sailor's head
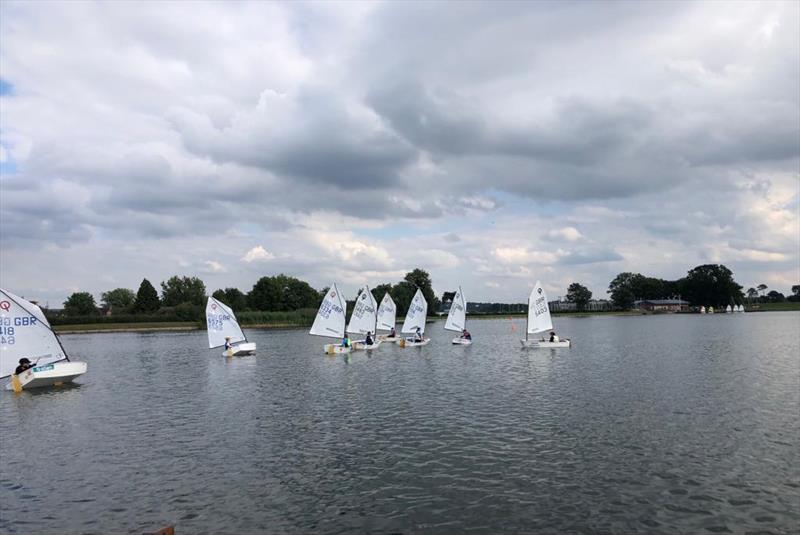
(24, 360)
(369, 333)
(552, 332)
(227, 338)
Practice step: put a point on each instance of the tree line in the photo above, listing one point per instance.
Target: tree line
(184, 297)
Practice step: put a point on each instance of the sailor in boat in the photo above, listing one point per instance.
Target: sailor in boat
(368, 340)
(345, 341)
(465, 335)
(24, 364)
(393, 333)
(228, 344)
(418, 335)
(554, 337)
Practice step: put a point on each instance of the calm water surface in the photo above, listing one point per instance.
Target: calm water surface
(660, 424)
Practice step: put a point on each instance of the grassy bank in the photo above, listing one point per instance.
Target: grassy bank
(773, 307)
(127, 327)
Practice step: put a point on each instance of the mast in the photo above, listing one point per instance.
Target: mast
(528, 317)
(461, 293)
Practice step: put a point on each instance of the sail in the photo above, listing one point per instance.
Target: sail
(386, 313)
(221, 322)
(417, 312)
(25, 332)
(728, 309)
(330, 318)
(538, 311)
(362, 320)
(457, 317)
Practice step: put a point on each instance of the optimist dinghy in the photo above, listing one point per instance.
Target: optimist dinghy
(25, 332)
(386, 318)
(364, 320)
(415, 319)
(457, 318)
(539, 321)
(222, 325)
(330, 321)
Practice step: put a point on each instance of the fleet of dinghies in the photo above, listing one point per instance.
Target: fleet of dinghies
(26, 333)
(223, 327)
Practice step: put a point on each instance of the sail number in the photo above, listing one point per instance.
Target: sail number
(215, 322)
(19, 321)
(7, 336)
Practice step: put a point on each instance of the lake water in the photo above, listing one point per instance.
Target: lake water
(658, 424)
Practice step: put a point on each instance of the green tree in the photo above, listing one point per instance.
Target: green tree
(762, 288)
(795, 293)
(711, 284)
(380, 290)
(80, 304)
(752, 293)
(281, 293)
(623, 289)
(118, 300)
(776, 297)
(420, 278)
(177, 290)
(233, 297)
(146, 298)
(579, 294)
(402, 293)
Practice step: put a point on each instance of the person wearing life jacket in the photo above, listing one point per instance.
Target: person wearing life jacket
(418, 335)
(393, 333)
(24, 364)
(228, 344)
(465, 335)
(554, 337)
(345, 341)
(369, 341)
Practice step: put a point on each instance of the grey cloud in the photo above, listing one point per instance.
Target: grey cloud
(590, 256)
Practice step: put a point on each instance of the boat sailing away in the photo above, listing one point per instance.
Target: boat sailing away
(330, 321)
(222, 325)
(364, 319)
(539, 320)
(457, 318)
(27, 333)
(415, 319)
(386, 317)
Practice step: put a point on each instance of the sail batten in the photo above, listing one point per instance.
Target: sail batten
(221, 322)
(416, 315)
(538, 311)
(330, 320)
(25, 332)
(457, 317)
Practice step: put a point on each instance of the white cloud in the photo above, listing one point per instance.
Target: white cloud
(257, 254)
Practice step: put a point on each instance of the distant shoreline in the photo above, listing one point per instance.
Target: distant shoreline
(188, 326)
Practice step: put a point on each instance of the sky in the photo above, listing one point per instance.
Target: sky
(491, 144)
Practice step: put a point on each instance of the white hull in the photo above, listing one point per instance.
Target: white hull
(544, 344)
(387, 338)
(240, 350)
(336, 349)
(409, 342)
(360, 345)
(53, 374)
(462, 342)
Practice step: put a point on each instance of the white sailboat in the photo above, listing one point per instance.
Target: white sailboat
(25, 332)
(457, 318)
(702, 310)
(387, 312)
(222, 325)
(741, 309)
(539, 320)
(415, 319)
(330, 320)
(728, 310)
(364, 319)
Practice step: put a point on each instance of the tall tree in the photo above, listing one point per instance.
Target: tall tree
(623, 289)
(118, 299)
(146, 298)
(282, 293)
(711, 284)
(177, 290)
(776, 297)
(80, 304)
(579, 294)
(762, 288)
(380, 290)
(420, 278)
(752, 293)
(233, 297)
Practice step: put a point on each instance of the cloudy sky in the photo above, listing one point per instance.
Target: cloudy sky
(491, 144)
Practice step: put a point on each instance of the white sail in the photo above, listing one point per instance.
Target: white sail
(363, 317)
(386, 313)
(728, 309)
(457, 317)
(25, 332)
(330, 318)
(417, 312)
(222, 322)
(538, 311)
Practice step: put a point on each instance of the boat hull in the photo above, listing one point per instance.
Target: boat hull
(409, 342)
(336, 349)
(360, 345)
(462, 342)
(544, 344)
(240, 350)
(53, 374)
(387, 338)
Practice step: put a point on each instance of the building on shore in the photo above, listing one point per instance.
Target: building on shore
(594, 305)
(662, 305)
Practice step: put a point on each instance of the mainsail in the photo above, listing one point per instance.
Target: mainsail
(538, 311)
(222, 322)
(457, 317)
(330, 318)
(25, 332)
(362, 320)
(417, 312)
(386, 313)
